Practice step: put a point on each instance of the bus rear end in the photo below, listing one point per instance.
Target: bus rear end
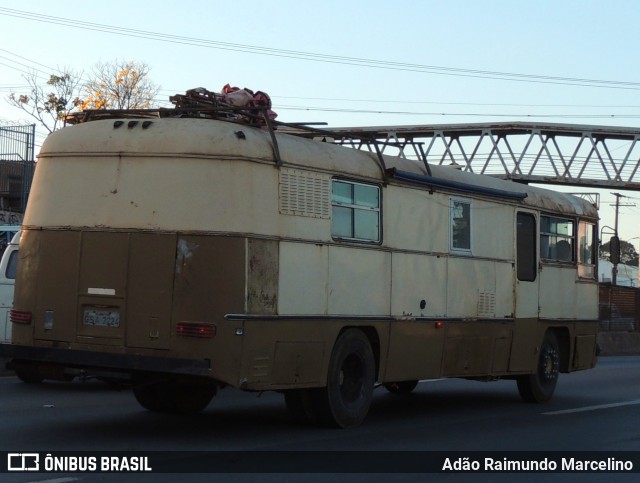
(122, 275)
(128, 303)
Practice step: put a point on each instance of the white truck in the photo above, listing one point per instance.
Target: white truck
(8, 267)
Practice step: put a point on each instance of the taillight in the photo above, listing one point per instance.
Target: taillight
(20, 316)
(196, 329)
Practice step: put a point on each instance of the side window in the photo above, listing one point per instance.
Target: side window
(586, 250)
(12, 266)
(355, 209)
(526, 247)
(460, 225)
(557, 239)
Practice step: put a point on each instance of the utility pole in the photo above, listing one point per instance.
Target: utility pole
(614, 269)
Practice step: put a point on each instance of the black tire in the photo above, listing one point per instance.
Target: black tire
(402, 387)
(539, 387)
(149, 397)
(28, 373)
(174, 396)
(300, 405)
(345, 401)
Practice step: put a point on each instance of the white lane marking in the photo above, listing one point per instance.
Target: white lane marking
(593, 408)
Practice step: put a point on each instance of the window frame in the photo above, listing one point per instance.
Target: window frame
(562, 237)
(531, 264)
(452, 202)
(354, 207)
(11, 269)
(592, 265)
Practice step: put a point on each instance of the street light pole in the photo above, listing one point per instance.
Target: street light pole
(614, 269)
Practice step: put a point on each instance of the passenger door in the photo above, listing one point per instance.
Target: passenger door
(527, 279)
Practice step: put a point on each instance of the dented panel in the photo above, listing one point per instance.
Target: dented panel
(262, 276)
(209, 278)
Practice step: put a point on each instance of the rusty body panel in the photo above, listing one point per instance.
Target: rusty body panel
(192, 253)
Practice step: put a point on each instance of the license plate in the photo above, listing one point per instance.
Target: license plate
(101, 318)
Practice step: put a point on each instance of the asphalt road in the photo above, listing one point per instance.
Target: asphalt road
(593, 410)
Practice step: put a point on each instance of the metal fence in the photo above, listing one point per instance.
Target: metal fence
(17, 165)
(619, 308)
(17, 142)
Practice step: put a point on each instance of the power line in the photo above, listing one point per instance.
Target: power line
(466, 114)
(317, 57)
(28, 60)
(505, 104)
(345, 110)
(376, 111)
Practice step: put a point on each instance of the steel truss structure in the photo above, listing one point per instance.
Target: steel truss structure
(569, 154)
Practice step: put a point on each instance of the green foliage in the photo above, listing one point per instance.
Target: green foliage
(628, 253)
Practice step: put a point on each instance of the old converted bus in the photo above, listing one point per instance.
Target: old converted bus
(189, 254)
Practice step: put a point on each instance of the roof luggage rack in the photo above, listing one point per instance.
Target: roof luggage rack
(254, 110)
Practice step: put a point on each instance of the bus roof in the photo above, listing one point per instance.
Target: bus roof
(186, 138)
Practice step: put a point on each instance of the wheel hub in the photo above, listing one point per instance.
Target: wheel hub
(550, 362)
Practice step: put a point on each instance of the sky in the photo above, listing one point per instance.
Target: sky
(357, 62)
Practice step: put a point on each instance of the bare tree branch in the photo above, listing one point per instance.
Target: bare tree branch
(49, 102)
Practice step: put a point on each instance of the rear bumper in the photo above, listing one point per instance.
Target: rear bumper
(128, 363)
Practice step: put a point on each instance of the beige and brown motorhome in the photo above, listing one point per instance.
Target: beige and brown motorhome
(188, 254)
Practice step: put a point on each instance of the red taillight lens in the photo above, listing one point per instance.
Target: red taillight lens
(196, 329)
(20, 316)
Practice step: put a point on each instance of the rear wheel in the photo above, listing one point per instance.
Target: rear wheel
(175, 396)
(346, 399)
(147, 396)
(28, 372)
(300, 405)
(539, 387)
